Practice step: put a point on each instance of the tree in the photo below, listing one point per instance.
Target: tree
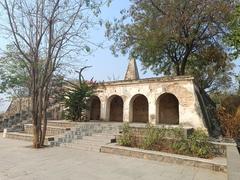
(211, 69)
(233, 36)
(46, 33)
(77, 96)
(14, 79)
(163, 34)
(13, 74)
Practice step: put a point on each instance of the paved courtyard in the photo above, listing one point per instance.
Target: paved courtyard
(19, 162)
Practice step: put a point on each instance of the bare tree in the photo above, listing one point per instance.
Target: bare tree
(46, 33)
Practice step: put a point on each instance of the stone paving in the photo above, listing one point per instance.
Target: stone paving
(19, 162)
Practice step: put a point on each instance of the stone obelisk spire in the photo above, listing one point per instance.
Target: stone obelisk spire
(132, 71)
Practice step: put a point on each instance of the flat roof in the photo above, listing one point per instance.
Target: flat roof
(148, 80)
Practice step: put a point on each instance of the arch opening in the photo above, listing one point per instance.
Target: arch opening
(168, 109)
(116, 109)
(139, 108)
(95, 108)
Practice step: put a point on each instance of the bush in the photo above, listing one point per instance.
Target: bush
(199, 144)
(76, 101)
(152, 137)
(169, 140)
(126, 138)
(181, 146)
(159, 138)
(174, 133)
(196, 145)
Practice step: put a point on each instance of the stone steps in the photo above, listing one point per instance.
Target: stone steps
(62, 123)
(25, 137)
(98, 138)
(85, 135)
(90, 143)
(51, 130)
(92, 136)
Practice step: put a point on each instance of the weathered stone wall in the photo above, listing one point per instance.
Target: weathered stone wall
(17, 105)
(190, 114)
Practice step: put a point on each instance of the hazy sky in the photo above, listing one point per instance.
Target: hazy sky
(104, 65)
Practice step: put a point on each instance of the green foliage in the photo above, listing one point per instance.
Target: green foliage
(170, 140)
(76, 101)
(196, 145)
(212, 69)
(164, 34)
(199, 145)
(14, 77)
(181, 146)
(152, 137)
(76, 98)
(126, 138)
(233, 37)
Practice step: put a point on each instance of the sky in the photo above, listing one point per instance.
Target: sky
(105, 66)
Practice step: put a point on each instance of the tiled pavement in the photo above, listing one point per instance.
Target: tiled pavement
(20, 162)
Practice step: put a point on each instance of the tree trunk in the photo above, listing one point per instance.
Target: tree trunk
(36, 141)
(177, 70)
(45, 105)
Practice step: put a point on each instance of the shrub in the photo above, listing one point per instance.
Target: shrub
(76, 98)
(152, 137)
(126, 138)
(199, 144)
(76, 101)
(196, 145)
(181, 146)
(159, 138)
(175, 133)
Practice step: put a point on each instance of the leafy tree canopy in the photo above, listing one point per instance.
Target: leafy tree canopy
(233, 38)
(13, 73)
(164, 35)
(211, 69)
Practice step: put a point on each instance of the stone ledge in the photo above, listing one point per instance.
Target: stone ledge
(26, 137)
(216, 164)
(233, 162)
(147, 80)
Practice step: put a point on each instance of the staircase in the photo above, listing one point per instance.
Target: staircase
(88, 136)
(26, 132)
(93, 138)
(15, 122)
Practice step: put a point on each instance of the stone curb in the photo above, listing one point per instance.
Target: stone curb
(164, 157)
(233, 162)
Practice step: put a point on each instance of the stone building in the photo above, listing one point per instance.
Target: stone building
(160, 101)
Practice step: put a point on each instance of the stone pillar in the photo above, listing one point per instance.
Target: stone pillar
(152, 110)
(5, 133)
(103, 111)
(126, 110)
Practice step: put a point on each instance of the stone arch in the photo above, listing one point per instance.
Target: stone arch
(115, 108)
(139, 109)
(167, 109)
(95, 108)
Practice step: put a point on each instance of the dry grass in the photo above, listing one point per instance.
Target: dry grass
(229, 117)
